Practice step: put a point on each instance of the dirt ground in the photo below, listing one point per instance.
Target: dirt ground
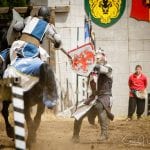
(55, 134)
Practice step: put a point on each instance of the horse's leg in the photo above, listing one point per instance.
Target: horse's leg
(5, 113)
(33, 126)
(29, 123)
(47, 79)
(37, 118)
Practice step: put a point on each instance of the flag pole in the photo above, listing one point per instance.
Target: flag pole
(92, 34)
(77, 76)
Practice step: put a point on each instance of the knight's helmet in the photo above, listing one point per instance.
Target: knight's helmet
(100, 56)
(44, 13)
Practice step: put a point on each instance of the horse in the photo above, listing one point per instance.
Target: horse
(32, 97)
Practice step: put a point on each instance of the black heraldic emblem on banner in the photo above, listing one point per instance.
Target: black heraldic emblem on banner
(104, 13)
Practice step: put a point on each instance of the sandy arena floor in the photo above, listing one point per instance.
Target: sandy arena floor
(55, 134)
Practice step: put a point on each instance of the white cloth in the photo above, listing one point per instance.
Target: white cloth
(34, 24)
(17, 45)
(27, 81)
(43, 54)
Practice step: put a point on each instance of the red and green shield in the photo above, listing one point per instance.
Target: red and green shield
(104, 13)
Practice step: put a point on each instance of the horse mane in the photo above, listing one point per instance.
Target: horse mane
(4, 45)
(3, 39)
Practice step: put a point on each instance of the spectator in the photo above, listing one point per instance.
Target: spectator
(137, 83)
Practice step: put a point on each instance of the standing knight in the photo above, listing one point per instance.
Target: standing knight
(103, 91)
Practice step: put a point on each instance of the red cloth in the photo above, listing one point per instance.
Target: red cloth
(137, 83)
(140, 11)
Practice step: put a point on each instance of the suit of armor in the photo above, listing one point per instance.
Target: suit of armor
(102, 106)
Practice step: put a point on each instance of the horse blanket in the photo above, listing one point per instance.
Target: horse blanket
(27, 81)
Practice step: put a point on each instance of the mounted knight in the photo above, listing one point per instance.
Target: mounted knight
(28, 61)
(26, 53)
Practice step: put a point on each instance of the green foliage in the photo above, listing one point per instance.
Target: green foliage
(3, 3)
(19, 3)
(11, 3)
(14, 3)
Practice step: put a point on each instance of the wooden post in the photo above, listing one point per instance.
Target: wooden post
(58, 9)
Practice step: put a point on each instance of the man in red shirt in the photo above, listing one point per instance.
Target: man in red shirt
(137, 82)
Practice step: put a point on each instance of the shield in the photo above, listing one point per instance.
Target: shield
(83, 59)
(104, 13)
(82, 110)
(140, 10)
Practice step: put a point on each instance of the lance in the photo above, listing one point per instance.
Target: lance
(62, 49)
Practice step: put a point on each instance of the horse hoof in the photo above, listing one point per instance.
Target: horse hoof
(30, 141)
(10, 132)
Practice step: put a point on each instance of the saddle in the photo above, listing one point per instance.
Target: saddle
(30, 39)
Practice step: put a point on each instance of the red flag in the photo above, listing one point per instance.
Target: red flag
(83, 59)
(140, 10)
